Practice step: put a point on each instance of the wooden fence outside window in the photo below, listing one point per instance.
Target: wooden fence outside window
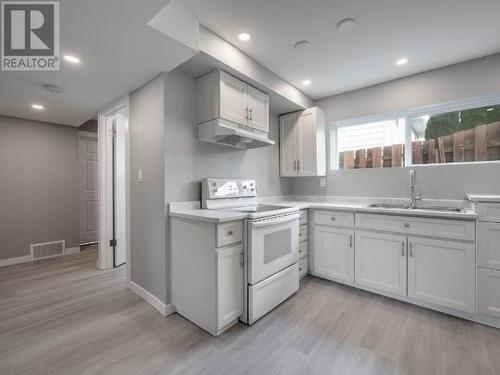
(481, 143)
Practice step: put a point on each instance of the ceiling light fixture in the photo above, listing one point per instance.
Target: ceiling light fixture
(490, 109)
(244, 37)
(38, 107)
(306, 82)
(72, 59)
(402, 61)
(346, 25)
(302, 45)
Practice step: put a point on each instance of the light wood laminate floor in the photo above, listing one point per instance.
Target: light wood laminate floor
(62, 316)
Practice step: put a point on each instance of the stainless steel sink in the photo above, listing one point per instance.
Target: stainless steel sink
(407, 207)
(388, 205)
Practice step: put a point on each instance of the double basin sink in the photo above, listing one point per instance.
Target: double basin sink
(408, 207)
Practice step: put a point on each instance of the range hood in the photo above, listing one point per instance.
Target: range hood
(226, 133)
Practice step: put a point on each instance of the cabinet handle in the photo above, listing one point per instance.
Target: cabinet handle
(407, 225)
(332, 218)
(402, 248)
(350, 241)
(411, 250)
(250, 110)
(298, 164)
(241, 259)
(295, 165)
(230, 233)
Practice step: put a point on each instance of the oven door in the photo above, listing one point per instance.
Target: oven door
(273, 245)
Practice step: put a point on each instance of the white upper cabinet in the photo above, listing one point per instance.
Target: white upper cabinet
(303, 143)
(233, 99)
(222, 96)
(258, 109)
(288, 146)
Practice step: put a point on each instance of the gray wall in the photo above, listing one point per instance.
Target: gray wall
(39, 188)
(188, 161)
(470, 79)
(147, 208)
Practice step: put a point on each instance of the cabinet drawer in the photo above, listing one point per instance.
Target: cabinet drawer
(489, 212)
(334, 218)
(303, 249)
(303, 233)
(443, 228)
(489, 245)
(229, 233)
(303, 217)
(489, 292)
(303, 267)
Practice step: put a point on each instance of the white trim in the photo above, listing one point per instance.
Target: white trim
(82, 133)
(72, 250)
(105, 259)
(162, 308)
(29, 258)
(16, 260)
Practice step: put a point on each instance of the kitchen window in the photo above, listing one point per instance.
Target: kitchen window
(466, 131)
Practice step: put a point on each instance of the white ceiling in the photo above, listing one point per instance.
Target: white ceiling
(118, 51)
(430, 33)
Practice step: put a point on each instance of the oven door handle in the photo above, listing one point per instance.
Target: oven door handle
(280, 220)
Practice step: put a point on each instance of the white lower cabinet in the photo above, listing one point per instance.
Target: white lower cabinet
(381, 262)
(334, 253)
(442, 272)
(229, 284)
(489, 245)
(488, 289)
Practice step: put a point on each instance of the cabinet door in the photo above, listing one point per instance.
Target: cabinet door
(229, 285)
(288, 146)
(489, 245)
(306, 144)
(381, 262)
(489, 292)
(442, 272)
(233, 99)
(334, 253)
(258, 107)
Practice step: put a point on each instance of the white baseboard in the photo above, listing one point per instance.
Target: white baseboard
(16, 260)
(72, 250)
(162, 308)
(28, 258)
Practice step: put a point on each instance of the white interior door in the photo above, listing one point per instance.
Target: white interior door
(89, 204)
(233, 101)
(120, 253)
(258, 107)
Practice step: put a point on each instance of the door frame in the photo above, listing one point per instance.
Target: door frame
(105, 154)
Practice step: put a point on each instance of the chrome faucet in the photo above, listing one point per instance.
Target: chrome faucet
(413, 196)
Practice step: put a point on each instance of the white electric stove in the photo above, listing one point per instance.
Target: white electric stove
(271, 242)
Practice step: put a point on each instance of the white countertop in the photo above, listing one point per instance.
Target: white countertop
(483, 198)
(191, 210)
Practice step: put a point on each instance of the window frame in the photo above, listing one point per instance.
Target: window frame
(407, 115)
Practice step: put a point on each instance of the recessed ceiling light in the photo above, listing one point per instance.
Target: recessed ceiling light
(346, 25)
(306, 82)
(72, 59)
(490, 109)
(402, 61)
(38, 107)
(244, 37)
(302, 44)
